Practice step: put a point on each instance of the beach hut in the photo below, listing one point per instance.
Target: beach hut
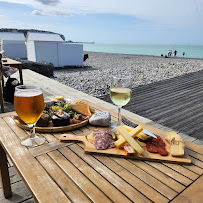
(13, 44)
(52, 48)
(70, 54)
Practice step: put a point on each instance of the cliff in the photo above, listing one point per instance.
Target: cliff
(24, 31)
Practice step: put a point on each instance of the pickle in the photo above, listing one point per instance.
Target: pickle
(113, 134)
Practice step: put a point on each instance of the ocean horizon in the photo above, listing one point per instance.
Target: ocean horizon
(191, 51)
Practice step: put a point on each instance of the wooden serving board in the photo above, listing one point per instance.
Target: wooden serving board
(50, 128)
(90, 148)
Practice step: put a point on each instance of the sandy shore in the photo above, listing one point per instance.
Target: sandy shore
(94, 78)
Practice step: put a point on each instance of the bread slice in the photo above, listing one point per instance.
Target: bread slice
(177, 144)
(81, 107)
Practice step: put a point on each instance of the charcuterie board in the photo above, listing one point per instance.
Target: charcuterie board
(50, 128)
(90, 148)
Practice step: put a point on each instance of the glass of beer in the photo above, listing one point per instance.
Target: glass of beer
(29, 105)
(120, 93)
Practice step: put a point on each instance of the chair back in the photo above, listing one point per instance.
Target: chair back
(0, 61)
(1, 86)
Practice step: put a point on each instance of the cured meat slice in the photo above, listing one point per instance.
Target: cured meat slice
(157, 146)
(103, 139)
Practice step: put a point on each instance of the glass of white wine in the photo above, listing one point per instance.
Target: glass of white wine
(120, 93)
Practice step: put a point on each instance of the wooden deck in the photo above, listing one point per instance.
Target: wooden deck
(162, 101)
(176, 103)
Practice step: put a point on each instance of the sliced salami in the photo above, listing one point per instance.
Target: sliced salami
(103, 139)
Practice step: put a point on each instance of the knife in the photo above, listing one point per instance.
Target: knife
(134, 125)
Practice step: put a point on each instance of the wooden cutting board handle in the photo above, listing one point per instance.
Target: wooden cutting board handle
(67, 137)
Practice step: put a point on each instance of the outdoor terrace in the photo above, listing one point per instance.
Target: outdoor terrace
(146, 99)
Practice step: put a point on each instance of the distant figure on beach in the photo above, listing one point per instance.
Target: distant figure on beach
(175, 52)
(183, 54)
(169, 53)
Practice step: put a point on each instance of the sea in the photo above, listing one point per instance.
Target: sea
(191, 51)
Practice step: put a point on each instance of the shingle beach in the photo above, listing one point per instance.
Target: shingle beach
(94, 78)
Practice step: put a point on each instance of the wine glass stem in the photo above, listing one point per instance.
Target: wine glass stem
(119, 114)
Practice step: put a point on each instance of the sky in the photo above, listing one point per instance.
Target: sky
(110, 21)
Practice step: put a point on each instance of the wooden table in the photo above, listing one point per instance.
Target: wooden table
(62, 172)
(13, 63)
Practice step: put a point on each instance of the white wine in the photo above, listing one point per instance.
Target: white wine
(120, 96)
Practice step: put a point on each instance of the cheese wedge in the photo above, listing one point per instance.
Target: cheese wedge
(130, 140)
(177, 144)
(141, 135)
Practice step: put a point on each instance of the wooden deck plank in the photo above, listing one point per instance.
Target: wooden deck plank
(176, 103)
(20, 193)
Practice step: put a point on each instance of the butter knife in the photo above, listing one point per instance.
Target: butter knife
(134, 125)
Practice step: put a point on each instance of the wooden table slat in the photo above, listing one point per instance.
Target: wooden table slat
(197, 162)
(49, 137)
(118, 182)
(182, 170)
(39, 176)
(194, 169)
(131, 179)
(178, 177)
(195, 155)
(159, 175)
(80, 180)
(94, 176)
(64, 182)
(194, 193)
(146, 178)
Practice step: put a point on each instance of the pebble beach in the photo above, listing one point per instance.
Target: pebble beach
(94, 78)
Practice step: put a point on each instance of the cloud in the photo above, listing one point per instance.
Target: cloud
(161, 12)
(37, 13)
(51, 13)
(49, 2)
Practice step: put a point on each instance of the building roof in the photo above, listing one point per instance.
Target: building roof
(15, 36)
(35, 36)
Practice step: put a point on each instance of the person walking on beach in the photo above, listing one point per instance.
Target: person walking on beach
(183, 54)
(175, 52)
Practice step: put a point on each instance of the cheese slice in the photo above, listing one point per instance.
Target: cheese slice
(177, 144)
(133, 133)
(141, 135)
(131, 140)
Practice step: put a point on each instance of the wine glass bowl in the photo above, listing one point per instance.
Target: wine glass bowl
(120, 92)
(29, 105)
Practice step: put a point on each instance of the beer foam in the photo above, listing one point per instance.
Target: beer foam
(28, 93)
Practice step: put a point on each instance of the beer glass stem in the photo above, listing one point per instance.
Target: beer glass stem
(32, 131)
(119, 115)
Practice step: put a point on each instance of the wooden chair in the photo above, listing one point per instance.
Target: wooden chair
(1, 86)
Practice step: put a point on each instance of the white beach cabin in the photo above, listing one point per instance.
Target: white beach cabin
(13, 44)
(52, 48)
